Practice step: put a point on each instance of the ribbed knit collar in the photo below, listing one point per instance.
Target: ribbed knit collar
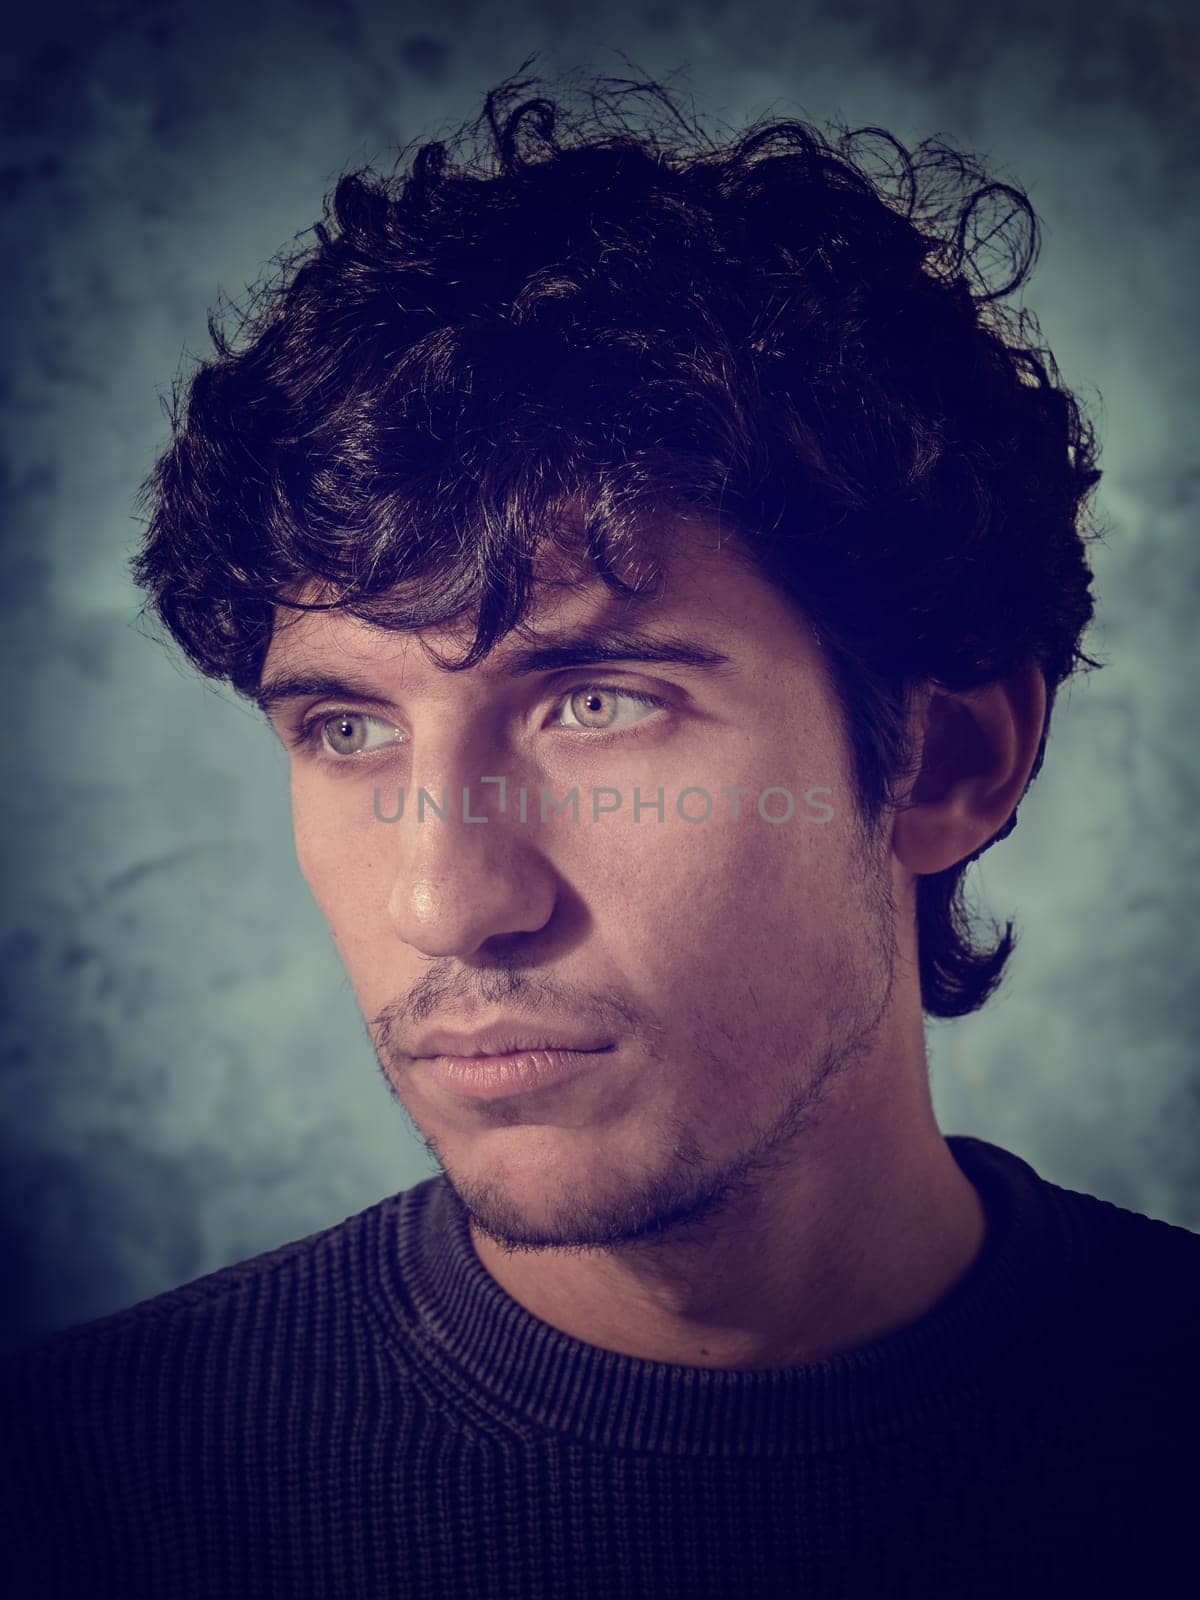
(435, 1294)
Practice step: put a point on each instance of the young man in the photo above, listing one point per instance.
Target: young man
(660, 563)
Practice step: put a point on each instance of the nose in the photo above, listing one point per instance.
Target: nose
(459, 884)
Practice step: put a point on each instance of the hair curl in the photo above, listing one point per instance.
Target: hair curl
(621, 321)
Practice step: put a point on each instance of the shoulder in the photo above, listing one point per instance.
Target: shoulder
(296, 1297)
(129, 1425)
(1117, 1291)
(1135, 1318)
(1127, 1253)
(1100, 1252)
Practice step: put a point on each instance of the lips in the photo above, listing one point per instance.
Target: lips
(501, 1077)
(507, 1038)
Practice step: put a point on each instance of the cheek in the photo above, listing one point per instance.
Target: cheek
(717, 895)
(339, 858)
(319, 841)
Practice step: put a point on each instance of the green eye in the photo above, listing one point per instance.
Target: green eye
(595, 708)
(352, 733)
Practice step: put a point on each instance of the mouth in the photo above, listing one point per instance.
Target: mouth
(507, 1036)
(523, 1070)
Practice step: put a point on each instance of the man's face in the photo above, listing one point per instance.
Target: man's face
(731, 966)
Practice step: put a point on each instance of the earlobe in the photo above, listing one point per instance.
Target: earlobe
(977, 749)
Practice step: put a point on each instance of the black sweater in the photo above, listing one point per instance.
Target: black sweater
(366, 1412)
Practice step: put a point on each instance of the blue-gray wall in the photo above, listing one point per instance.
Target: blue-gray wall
(185, 1077)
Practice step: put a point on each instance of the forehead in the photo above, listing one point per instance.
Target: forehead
(695, 575)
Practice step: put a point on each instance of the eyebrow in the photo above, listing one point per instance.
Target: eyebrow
(552, 653)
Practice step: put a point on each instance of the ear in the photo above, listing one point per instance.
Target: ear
(977, 749)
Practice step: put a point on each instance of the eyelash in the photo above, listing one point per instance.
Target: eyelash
(307, 735)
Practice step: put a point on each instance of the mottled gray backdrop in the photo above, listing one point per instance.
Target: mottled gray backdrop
(186, 1079)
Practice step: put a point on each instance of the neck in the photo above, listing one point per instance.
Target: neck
(858, 1237)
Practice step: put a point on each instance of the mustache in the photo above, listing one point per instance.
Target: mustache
(444, 992)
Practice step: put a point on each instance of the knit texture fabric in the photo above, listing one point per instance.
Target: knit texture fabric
(366, 1412)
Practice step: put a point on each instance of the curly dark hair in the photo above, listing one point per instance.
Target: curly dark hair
(773, 330)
